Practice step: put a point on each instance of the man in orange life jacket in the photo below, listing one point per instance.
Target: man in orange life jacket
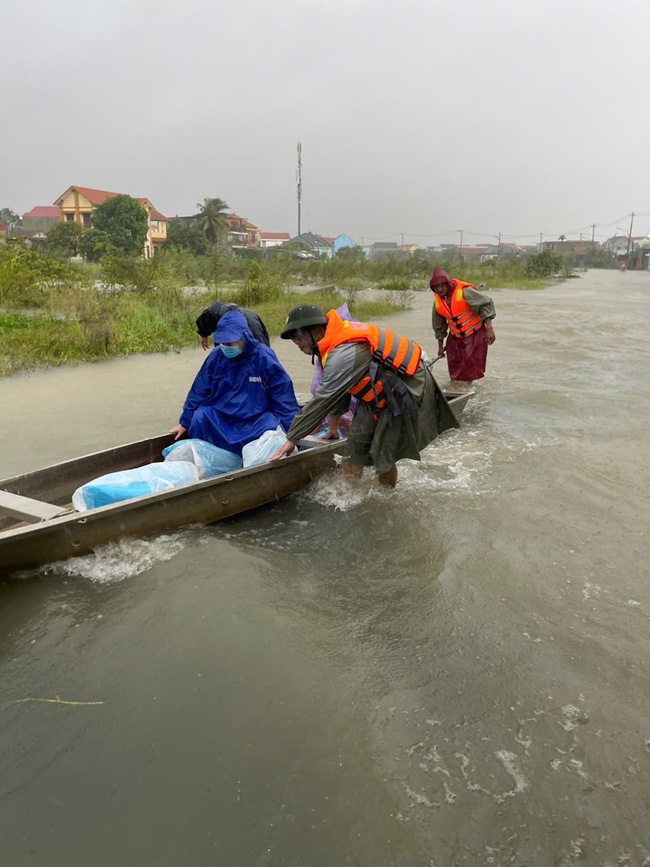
(458, 308)
(400, 407)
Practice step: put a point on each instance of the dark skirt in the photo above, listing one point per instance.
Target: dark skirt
(466, 356)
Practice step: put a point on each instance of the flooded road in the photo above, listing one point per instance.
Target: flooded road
(454, 673)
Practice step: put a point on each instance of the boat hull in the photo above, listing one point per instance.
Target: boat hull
(210, 500)
(26, 546)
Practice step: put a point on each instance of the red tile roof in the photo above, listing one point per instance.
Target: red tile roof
(235, 217)
(471, 251)
(95, 197)
(43, 211)
(98, 197)
(153, 213)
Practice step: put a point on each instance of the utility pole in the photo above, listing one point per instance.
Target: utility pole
(629, 239)
(541, 235)
(499, 248)
(402, 236)
(593, 232)
(299, 182)
(460, 246)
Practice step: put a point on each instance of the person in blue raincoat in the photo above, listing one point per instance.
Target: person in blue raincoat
(240, 392)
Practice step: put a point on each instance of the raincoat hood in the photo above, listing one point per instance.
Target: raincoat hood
(440, 278)
(232, 326)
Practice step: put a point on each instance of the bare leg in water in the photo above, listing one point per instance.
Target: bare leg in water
(388, 478)
(353, 471)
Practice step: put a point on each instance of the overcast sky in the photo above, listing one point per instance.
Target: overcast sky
(416, 117)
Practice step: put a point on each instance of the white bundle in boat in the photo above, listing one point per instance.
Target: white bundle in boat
(124, 485)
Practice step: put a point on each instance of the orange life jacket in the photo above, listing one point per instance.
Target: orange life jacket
(389, 351)
(463, 321)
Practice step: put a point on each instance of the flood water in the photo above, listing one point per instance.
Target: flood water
(454, 673)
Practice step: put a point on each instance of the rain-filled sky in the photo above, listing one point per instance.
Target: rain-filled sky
(417, 118)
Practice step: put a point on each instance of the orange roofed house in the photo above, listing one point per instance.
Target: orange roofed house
(242, 234)
(77, 204)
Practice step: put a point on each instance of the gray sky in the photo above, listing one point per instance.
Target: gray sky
(419, 117)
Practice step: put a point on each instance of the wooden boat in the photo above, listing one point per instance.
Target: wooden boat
(38, 524)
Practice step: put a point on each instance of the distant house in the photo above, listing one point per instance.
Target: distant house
(498, 251)
(442, 249)
(473, 252)
(383, 248)
(41, 218)
(157, 228)
(317, 245)
(273, 239)
(191, 222)
(341, 241)
(29, 237)
(568, 246)
(77, 204)
(242, 234)
(409, 249)
(620, 244)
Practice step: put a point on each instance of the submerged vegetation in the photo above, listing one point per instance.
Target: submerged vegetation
(55, 311)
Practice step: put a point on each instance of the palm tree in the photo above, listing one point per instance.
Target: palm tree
(212, 219)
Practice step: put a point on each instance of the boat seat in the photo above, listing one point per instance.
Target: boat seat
(27, 509)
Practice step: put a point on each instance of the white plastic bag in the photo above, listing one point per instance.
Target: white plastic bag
(260, 450)
(209, 460)
(150, 479)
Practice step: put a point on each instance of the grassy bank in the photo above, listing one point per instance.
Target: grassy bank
(56, 312)
(78, 323)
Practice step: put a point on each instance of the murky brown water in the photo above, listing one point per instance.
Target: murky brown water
(453, 674)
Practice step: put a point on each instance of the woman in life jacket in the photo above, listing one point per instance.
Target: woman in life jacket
(400, 408)
(463, 316)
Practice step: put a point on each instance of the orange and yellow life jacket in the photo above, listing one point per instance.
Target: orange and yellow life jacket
(390, 352)
(463, 321)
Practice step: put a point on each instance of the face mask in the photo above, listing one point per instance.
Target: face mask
(230, 351)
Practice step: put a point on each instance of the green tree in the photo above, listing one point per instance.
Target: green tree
(63, 240)
(124, 221)
(212, 219)
(25, 274)
(544, 264)
(187, 238)
(8, 216)
(94, 244)
(353, 254)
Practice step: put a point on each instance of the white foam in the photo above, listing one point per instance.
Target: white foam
(334, 490)
(416, 798)
(118, 561)
(509, 761)
(573, 716)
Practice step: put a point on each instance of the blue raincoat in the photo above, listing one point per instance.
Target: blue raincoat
(233, 401)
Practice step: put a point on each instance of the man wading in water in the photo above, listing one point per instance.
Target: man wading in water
(400, 410)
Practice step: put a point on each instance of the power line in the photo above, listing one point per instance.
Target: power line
(501, 237)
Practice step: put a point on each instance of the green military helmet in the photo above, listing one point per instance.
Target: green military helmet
(305, 316)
